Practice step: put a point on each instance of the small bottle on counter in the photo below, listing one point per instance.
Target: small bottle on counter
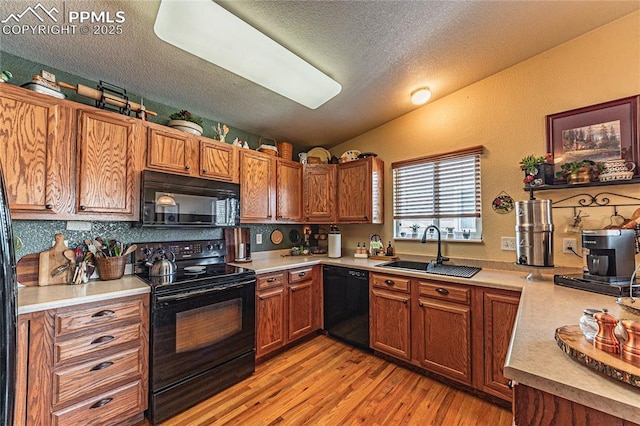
(389, 250)
(588, 324)
(358, 249)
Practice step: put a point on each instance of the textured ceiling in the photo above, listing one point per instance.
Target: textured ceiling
(379, 51)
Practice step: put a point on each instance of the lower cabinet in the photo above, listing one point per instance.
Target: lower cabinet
(390, 315)
(90, 360)
(288, 307)
(443, 330)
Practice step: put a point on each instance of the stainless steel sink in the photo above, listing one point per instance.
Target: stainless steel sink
(458, 271)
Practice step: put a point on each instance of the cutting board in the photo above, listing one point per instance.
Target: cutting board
(27, 269)
(50, 260)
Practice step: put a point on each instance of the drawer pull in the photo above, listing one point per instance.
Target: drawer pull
(101, 403)
(510, 384)
(405, 301)
(102, 339)
(389, 282)
(272, 279)
(421, 304)
(104, 313)
(302, 274)
(102, 366)
(442, 291)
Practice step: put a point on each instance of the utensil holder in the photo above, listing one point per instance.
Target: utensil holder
(110, 268)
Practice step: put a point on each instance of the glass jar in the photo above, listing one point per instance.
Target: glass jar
(588, 324)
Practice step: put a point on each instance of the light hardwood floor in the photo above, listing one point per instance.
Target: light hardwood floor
(325, 382)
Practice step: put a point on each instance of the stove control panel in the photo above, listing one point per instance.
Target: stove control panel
(183, 250)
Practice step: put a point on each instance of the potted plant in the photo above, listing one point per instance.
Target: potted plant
(185, 121)
(580, 171)
(414, 229)
(537, 170)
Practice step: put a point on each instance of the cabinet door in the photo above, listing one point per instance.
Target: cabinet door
(500, 308)
(256, 185)
(270, 334)
(36, 153)
(360, 191)
(444, 334)
(300, 309)
(288, 191)
(319, 187)
(107, 166)
(218, 161)
(389, 318)
(170, 151)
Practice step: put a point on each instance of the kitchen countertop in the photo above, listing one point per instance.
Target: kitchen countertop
(34, 299)
(534, 358)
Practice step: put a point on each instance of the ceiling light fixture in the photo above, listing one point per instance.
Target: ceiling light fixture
(207, 30)
(421, 96)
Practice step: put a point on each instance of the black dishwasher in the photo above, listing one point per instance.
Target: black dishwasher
(346, 304)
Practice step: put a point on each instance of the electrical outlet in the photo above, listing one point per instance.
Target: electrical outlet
(258, 238)
(508, 244)
(569, 245)
(77, 225)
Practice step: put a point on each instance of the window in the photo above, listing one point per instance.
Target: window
(441, 190)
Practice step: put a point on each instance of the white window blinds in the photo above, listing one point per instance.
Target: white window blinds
(438, 186)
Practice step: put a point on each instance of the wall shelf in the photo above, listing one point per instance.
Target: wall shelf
(532, 189)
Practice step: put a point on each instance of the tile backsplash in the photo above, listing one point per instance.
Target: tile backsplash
(37, 236)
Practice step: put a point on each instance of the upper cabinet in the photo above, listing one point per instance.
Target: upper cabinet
(64, 160)
(36, 153)
(108, 163)
(360, 191)
(270, 189)
(319, 186)
(173, 151)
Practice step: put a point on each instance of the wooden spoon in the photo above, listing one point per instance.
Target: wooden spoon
(130, 250)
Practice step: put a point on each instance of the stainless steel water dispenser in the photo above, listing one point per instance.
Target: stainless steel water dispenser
(534, 233)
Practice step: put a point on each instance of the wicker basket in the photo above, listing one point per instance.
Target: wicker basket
(268, 148)
(110, 268)
(285, 149)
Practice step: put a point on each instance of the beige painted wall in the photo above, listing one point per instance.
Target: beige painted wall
(506, 113)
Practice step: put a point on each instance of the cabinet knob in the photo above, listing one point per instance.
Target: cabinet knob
(293, 290)
(405, 301)
(442, 291)
(389, 282)
(83, 208)
(49, 206)
(421, 304)
(205, 170)
(187, 167)
(102, 339)
(510, 384)
(302, 274)
(103, 313)
(102, 403)
(102, 366)
(270, 280)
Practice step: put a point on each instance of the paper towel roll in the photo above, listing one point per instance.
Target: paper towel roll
(335, 245)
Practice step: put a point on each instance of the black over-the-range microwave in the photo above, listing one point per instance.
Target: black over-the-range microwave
(172, 201)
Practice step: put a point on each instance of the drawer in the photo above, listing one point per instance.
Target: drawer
(270, 280)
(73, 320)
(93, 342)
(390, 282)
(73, 383)
(300, 274)
(109, 408)
(445, 291)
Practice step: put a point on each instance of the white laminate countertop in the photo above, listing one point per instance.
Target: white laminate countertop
(34, 299)
(534, 358)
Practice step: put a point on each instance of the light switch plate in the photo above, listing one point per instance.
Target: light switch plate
(508, 244)
(258, 238)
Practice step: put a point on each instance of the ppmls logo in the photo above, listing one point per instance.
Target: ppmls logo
(33, 11)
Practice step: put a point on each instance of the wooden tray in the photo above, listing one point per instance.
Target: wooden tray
(571, 340)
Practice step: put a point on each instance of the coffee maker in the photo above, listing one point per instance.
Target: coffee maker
(610, 254)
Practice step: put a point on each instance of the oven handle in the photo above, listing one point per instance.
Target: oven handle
(182, 296)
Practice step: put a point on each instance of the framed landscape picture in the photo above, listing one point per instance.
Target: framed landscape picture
(606, 131)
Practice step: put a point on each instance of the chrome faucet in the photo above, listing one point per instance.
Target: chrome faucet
(439, 257)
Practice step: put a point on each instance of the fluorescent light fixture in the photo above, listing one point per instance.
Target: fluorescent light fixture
(421, 96)
(207, 30)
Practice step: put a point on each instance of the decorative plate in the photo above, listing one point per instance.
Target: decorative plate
(367, 154)
(321, 153)
(503, 203)
(349, 156)
(276, 237)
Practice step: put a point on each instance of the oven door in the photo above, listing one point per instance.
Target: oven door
(201, 329)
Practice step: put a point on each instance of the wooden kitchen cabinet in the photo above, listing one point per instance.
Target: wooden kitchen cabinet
(173, 151)
(270, 313)
(288, 191)
(319, 189)
(360, 191)
(390, 315)
(90, 360)
(257, 182)
(108, 164)
(36, 152)
(443, 329)
(288, 307)
(499, 315)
